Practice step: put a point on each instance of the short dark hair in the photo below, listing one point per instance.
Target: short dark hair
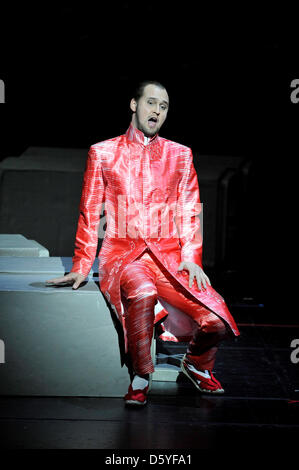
(138, 92)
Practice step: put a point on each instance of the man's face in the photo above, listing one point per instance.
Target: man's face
(150, 112)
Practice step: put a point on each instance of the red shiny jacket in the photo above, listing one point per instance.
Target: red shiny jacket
(151, 200)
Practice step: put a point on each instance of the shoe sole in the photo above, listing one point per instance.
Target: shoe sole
(137, 403)
(202, 390)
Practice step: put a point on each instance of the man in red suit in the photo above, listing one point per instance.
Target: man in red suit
(150, 262)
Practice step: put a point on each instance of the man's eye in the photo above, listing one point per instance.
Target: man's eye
(150, 102)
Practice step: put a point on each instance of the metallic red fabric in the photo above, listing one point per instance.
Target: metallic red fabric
(144, 281)
(139, 296)
(151, 201)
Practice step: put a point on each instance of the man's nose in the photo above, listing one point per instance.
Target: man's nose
(157, 110)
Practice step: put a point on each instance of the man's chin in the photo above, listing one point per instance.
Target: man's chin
(151, 132)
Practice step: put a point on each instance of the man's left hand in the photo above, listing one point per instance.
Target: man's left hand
(195, 271)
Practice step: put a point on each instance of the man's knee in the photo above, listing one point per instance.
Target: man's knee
(214, 324)
(144, 293)
(136, 283)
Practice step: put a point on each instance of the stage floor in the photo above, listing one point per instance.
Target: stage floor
(260, 406)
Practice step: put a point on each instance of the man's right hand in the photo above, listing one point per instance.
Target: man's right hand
(72, 278)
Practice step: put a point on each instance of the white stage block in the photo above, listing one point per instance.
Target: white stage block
(58, 341)
(18, 245)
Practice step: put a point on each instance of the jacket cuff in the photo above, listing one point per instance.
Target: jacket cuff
(194, 258)
(77, 269)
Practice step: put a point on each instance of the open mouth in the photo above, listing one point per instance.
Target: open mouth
(152, 121)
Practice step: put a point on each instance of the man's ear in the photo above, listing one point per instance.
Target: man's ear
(133, 105)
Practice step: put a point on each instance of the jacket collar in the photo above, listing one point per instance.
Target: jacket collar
(137, 136)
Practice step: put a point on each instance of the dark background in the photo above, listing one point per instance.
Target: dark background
(69, 72)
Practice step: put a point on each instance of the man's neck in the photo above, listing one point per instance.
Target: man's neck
(135, 134)
(146, 140)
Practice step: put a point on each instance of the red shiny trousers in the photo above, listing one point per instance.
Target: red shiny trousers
(142, 281)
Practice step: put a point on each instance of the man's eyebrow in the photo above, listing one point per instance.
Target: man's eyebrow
(153, 98)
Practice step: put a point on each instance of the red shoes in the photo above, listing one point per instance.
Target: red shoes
(204, 381)
(136, 397)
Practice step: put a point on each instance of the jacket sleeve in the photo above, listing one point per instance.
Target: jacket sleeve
(187, 219)
(93, 194)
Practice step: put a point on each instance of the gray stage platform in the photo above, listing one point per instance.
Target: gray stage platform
(18, 246)
(58, 341)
